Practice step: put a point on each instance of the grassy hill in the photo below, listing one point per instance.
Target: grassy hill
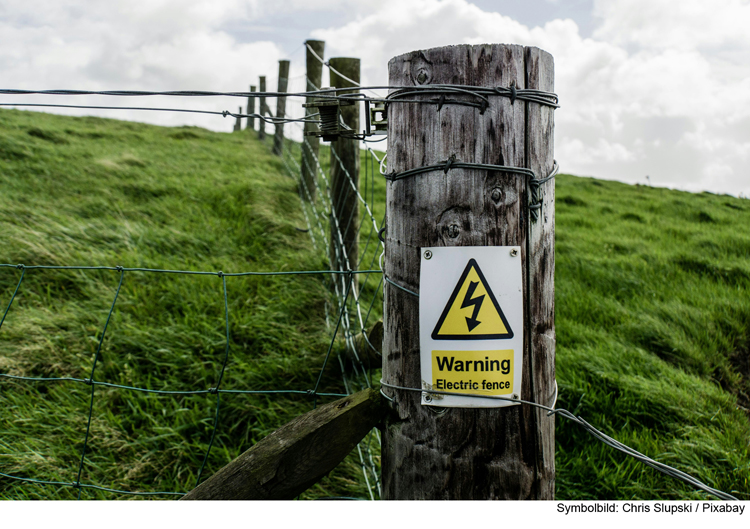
(653, 334)
(653, 315)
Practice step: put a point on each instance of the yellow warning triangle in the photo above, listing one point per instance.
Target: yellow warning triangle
(472, 312)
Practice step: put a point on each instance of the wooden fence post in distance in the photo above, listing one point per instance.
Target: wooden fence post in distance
(238, 121)
(311, 144)
(469, 453)
(278, 137)
(262, 108)
(251, 110)
(345, 171)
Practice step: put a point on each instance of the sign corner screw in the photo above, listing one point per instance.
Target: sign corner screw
(427, 397)
(514, 252)
(427, 254)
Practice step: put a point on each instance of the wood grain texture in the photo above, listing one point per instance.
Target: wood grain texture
(463, 453)
(262, 108)
(238, 122)
(297, 455)
(278, 136)
(311, 144)
(345, 164)
(540, 75)
(251, 110)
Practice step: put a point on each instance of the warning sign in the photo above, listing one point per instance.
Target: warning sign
(472, 313)
(471, 326)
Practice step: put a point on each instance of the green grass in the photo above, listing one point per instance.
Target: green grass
(653, 334)
(652, 314)
(89, 191)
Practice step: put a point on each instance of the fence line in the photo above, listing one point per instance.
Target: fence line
(321, 204)
(345, 316)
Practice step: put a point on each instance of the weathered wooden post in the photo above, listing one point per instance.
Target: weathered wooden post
(278, 137)
(469, 453)
(251, 110)
(238, 121)
(311, 144)
(262, 108)
(345, 171)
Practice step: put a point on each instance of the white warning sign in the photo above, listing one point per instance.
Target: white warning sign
(471, 325)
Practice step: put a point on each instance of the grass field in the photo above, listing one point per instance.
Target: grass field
(652, 312)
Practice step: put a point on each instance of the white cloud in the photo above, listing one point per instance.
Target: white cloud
(670, 72)
(660, 89)
(132, 44)
(595, 152)
(665, 25)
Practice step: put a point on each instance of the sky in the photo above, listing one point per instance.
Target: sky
(650, 90)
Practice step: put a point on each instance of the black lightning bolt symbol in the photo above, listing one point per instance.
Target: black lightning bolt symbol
(477, 302)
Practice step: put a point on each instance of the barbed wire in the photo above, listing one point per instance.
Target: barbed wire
(396, 96)
(321, 200)
(224, 113)
(533, 183)
(481, 92)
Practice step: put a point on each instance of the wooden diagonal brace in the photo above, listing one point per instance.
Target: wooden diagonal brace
(297, 455)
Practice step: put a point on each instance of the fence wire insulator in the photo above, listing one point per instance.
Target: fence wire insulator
(331, 124)
(378, 116)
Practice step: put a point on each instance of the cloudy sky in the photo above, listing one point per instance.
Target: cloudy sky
(647, 87)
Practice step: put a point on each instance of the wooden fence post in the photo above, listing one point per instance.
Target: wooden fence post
(238, 122)
(469, 453)
(278, 137)
(251, 110)
(345, 172)
(262, 108)
(311, 144)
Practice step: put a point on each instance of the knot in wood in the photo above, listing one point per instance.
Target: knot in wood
(453, 231)
(497, 194)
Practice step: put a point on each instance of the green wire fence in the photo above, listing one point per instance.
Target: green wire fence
(216, 389)
(348, 317)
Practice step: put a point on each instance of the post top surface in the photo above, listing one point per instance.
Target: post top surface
(460, 47)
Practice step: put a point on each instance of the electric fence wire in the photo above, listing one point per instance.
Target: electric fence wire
(374, 229)
(378, 249)
(326, 213)
(598, 434)
(224, 113)
(397, 94)
(533, 206)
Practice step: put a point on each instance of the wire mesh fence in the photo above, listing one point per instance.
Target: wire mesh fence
(353, 305)
(215, 390)
(356, 300)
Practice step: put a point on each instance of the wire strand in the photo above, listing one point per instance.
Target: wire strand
(609, 441)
